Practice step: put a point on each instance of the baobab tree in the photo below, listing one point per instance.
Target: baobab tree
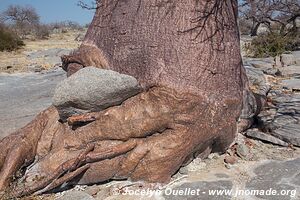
(269, 12)
(186, 57)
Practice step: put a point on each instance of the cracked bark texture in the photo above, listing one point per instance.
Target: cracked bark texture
(185, 55)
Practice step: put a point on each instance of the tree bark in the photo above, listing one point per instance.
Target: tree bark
(185, 55)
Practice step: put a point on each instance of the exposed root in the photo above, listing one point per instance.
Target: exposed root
(58, 182)
(67, 166)
(110, 152)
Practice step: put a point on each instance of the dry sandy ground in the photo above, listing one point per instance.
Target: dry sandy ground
(19, 61)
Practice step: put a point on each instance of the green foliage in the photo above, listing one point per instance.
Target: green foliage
(9, 41)
(272, 44)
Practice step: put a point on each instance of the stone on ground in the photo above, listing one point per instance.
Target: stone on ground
(292, 84)
(92, 89)
(265, 137)
(277, 176)
(75, 195)
(289, 133)
(292, 70)
(287, 59)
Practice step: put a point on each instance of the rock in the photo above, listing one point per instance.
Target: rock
(289, 99)
(213, 156)
(261, 64)
(198, 190)
(277, 62)
(23, 96)
(242, 151)
(276, 176)
(228, 166)
(287, 59)
(292, 84)
(289, 133)
(256, 78)
(296, 55)
(262, 30)
(254, 133)
(92, 89)
(76, 195)
(184, 170)
(292, 70)
(271, 71)
(230, 160)
(79, 37)
(287, 104)
(281, 120)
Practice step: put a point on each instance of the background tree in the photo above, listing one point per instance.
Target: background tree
(272, 13)
(23, 18)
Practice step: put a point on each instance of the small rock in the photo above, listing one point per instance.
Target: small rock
(297, 57)
(282, 120)
(76, 195)
(271, 71)
(277, 62)
(254, 133)
(228, 166)
(261, 64)
(292, 70)
(213, 156)
(92, 89)
(292, 84)
(289, 133)
(184, 170)
(230, 160)
(287, 59)
(242, 151)
(79, 37)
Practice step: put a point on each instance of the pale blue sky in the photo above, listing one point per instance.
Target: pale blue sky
(55, 10)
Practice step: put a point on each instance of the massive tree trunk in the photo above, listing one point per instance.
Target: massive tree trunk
(185, 55)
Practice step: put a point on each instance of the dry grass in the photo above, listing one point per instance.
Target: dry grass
(18, 61)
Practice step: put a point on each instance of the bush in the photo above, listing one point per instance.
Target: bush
(244, 26)
(42, 32)
(272, 44)
(9, 41)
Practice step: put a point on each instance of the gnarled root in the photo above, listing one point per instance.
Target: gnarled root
(19, 149)
(147, 138)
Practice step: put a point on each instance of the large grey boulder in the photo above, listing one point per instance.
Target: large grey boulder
(92, 89)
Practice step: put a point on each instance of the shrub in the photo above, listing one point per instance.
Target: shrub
(244, 26)
(42, 32)
(9, 41)
(272, 44)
